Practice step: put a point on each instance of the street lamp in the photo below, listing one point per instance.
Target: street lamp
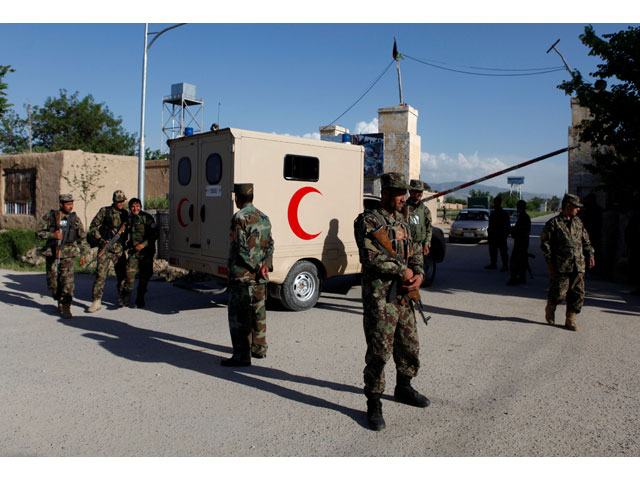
(141, 159)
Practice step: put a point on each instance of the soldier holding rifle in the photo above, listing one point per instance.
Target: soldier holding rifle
(392, 270)
(108, 233)
(65, 236)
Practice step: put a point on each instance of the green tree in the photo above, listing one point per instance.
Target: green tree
(554, 203)
(153, 154)
(534, 204)
(509, 199)
(4, 105)
(14, 136)
(613, 129)
(478, 193)
(452, 199)
(70, 123)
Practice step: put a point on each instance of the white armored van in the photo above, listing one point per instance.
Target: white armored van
(310, 189)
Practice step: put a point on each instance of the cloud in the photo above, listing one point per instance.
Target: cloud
(314, 135)
(549, 177)
(445, 168)
(367, 127)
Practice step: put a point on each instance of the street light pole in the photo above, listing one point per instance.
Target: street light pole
(141, 156)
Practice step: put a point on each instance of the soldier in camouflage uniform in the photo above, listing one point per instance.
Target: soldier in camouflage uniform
(250, 260)
(419, 217)
(391, 267)
(567, 249)
(67, 233)
(104, 227)
(141, 248)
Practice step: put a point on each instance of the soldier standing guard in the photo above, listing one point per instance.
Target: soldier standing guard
(65, 236)
(520, 253)
(498, 231)
(566, 247)
(141, 248)
(250, 260)
(419, 217)
(391, 267)
(108, 224)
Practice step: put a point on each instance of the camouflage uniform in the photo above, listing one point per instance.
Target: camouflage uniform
(419, 218)
(389, 327)
(251, 246)
(103, 228)
(62, 284)
(144, 230)
(565, 244)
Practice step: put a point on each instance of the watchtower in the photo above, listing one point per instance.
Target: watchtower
(184, 113)
(515, 183)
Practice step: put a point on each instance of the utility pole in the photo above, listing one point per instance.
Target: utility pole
(566, 65)
(29, 114)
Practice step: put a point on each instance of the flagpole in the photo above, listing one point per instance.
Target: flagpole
(397, 57)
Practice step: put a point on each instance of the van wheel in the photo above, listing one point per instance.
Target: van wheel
(429, 270)
(301, 288)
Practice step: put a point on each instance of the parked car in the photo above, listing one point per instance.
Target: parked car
(470, 224)
(438, 245)
(513, 216)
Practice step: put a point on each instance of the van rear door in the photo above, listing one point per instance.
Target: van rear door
(183, 220)
(215, 192)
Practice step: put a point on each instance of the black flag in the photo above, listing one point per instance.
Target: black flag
(396, 54)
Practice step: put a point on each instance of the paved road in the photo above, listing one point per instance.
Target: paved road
(502, 382)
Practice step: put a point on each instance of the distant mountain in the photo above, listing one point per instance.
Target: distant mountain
(493, 191)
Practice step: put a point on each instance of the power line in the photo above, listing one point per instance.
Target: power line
(366, 91)
(531, 71)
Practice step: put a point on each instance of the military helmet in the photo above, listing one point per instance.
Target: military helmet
(243, 188)
(572, 199)
(394, 180)
(119, 196)
(65, 197)
(416, 185)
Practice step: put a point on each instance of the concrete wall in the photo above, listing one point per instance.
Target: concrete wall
(118, 172)
(156, 178)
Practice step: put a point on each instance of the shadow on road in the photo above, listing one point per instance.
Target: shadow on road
(143, 345)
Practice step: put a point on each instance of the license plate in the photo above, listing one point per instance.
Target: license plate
(467, 234)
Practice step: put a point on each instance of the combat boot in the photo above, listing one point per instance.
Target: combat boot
(374, 412)
(66, 310)
(95, 306)
(405, 393)
(124, 299)
(570, 322)
(550, 313)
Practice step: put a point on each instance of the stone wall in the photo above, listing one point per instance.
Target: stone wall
(399, 125)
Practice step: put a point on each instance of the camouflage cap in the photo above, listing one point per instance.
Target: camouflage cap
(243, 188)
(417, 185)
(394, 180)
(65, 197)
(119, 196)
(572, 199)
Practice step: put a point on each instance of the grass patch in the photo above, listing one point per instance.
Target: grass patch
(157, 203)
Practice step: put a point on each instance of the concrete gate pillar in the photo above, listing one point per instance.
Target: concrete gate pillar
(401, 140)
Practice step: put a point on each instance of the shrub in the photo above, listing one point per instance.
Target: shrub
(16, 242)
(157, 203)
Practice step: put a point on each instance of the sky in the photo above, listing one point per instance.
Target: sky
(290, 76)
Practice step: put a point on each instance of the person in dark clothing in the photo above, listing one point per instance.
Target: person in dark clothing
(498, 231)
(520, 253)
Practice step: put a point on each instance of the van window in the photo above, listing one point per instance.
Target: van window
(184, 171)
(214, 168)
(298, 167)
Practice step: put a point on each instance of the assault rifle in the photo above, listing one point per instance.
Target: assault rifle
(381, 235)
(107, 247)
(58, 245)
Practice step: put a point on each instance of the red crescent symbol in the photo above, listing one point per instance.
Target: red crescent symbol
(292, 213)
(180, 216)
